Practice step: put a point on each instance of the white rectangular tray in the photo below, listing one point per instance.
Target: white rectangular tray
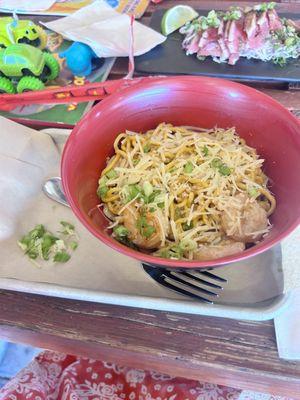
(254, 290)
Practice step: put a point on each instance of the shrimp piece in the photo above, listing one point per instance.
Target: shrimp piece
(247, 221)
(224, 249)
(130, 220)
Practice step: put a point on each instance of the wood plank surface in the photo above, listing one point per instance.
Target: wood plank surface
(234, 353)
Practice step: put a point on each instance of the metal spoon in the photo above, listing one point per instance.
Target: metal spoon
(53, 189)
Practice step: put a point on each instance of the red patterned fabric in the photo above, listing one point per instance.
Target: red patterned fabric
(52, 376)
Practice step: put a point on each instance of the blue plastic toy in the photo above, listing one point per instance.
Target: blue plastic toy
(79, 58)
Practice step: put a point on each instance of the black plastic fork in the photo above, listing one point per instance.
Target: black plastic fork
(188, 283)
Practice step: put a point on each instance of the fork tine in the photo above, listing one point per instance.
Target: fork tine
(213, 285)
(161, 280)
(169, 279)
(179, 280)
(212, 276)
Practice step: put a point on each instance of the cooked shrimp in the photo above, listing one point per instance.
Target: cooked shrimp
(139, 235)
(224, 249)
(247, 222)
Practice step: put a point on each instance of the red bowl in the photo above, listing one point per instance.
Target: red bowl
(194, 101)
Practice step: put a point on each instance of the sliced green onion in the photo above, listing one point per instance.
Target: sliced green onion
(224, 170)
(112, 174)
(145, 229)
(146, 148)
(188, 168)
(134, 190)
(177, 213)
(216, 163)
(187, 227)
(148, 231)
(103, 181)
(73, 245)
(33, 254)
(171, 252)
(188, 245)
(67, 225)
(41, 243)
(47, 242)
(253, 192)
(147, 188)
(205, 151)
(120, 231)
(102, 192)
(61, 256)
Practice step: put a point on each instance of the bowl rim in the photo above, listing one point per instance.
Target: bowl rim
(143, 257)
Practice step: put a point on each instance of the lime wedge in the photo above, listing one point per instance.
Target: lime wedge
(176, 17)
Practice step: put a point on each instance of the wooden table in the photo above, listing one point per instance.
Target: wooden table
(235, 353)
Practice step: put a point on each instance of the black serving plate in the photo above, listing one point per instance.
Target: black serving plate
(170, 59)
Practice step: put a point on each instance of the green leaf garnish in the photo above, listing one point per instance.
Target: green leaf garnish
(203, 24)
(281, 61)
(234, 13)
(212, 19)
(264, 6)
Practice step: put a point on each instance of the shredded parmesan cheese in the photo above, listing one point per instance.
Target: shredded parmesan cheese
(193, 176)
